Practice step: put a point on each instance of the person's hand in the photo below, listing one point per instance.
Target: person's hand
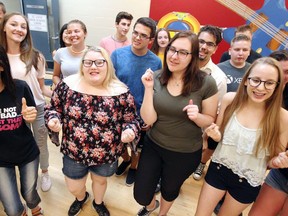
(147, 79)
(145, 127)
(127, 136)
(192, 110)
(29, 113)
(281, 161)
(213, 132)
(54, 124)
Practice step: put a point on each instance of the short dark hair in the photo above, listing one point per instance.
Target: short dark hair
(243, 28)
(148, 22)
(280, 55)
(213, 30)
(240, 37)
(123, 15)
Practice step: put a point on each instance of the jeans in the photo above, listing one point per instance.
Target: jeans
(9, 194)
(74, 170)
(41, 135)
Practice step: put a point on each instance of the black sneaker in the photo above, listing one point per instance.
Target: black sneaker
(100, 209)
(122, 167)
(76, 206)
(130, 179)
(145, 212)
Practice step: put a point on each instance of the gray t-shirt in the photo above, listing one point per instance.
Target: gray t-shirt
(69, 64)
(234, 75)
(173, 130)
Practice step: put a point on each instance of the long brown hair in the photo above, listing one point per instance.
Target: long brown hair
(193, 77)
(28, 54)
(269, 138)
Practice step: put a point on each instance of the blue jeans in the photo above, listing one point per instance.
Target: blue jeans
(74, 170)
(9, 194)
(277, 180)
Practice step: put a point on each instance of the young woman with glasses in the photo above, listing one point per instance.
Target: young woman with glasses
(178, 101)
(97, 115)
(252, 135)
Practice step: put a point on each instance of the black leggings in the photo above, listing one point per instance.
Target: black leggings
(172, 167)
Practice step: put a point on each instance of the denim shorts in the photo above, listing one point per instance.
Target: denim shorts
(223, 178)
(75, 170)
(277, 180)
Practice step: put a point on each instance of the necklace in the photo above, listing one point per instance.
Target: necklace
(119, 41)
(77, 52)
(177, 82)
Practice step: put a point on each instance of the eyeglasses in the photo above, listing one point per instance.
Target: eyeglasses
(182, 54)
(141, 36)
(98, 62)
(208, 44)
(269, 84)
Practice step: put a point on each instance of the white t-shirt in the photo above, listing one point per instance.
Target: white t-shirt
(18, 71)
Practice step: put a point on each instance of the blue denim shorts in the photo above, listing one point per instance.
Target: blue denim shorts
(75, 170)
(277, 180)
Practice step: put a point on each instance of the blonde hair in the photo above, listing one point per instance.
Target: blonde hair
(269, 138)
(111, 80)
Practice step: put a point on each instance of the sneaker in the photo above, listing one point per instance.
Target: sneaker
(76, 206)
(100, 209)
(45, 182)
(197, 175)
(218, 206)
(122, 167)
(145, 212)
(158, 187)
(130, 179)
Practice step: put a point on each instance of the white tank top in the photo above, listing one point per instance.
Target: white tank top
(236, 151)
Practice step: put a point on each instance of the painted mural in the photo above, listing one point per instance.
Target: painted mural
(268, 19)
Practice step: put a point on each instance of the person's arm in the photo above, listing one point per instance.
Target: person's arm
(213, 130)
(208, 114)
(45, 89)
(56, 73)
(147, 110)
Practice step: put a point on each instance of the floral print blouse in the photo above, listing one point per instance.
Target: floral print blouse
(92, 125)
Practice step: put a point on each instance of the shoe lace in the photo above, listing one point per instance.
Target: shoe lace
(200, 168)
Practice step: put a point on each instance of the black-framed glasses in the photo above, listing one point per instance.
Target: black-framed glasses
(97, 62)
(182, 54)
(269, 84)
(141, 36)
(208, 44)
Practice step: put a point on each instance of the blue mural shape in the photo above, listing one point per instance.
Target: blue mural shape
(269, 25)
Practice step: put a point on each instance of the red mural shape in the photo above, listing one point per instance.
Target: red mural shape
(271, 32)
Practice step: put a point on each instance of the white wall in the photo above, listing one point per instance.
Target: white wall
(98, 15)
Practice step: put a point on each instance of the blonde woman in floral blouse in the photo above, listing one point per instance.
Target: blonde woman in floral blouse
(97, 115)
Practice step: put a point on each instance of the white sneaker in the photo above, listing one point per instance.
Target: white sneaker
(45, 182)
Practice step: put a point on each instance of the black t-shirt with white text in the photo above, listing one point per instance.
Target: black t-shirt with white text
(17, 144)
